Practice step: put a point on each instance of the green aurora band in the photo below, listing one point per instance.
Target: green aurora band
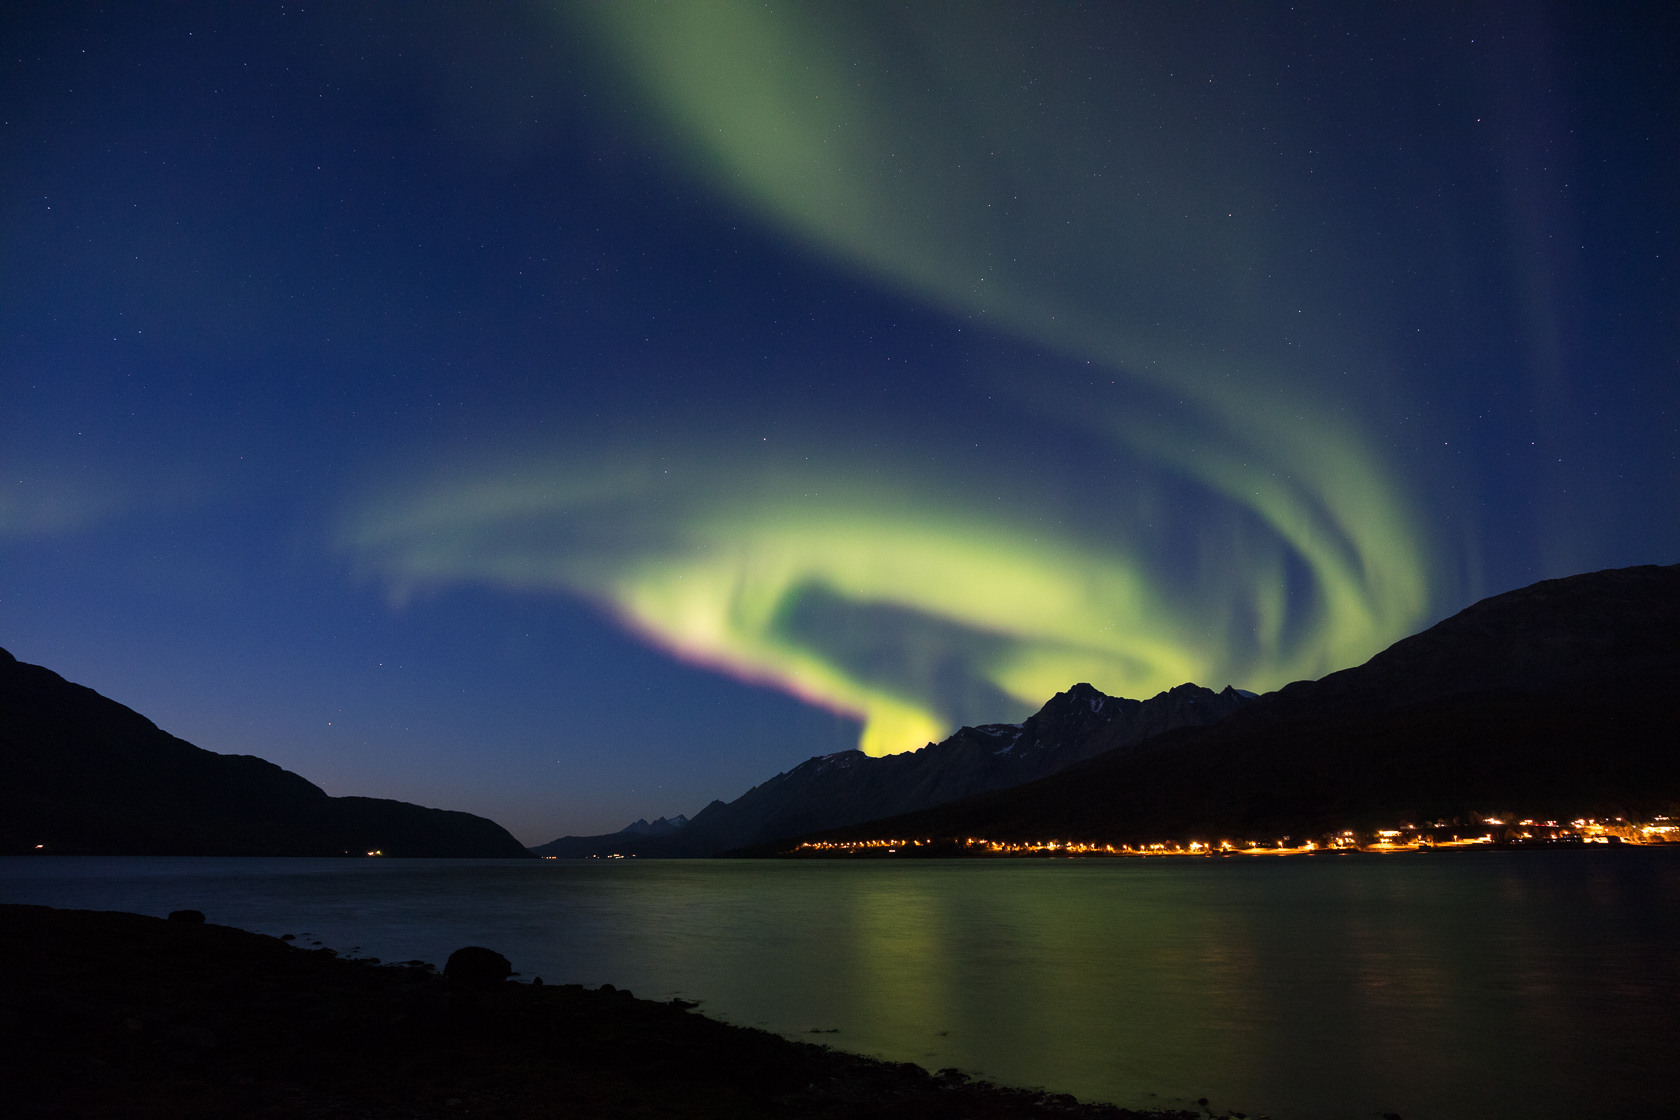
(905, 609)
(972, 159)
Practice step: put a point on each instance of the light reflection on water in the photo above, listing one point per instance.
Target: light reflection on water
(1440, 985)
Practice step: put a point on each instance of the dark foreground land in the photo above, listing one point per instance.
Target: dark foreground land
(111, 1014)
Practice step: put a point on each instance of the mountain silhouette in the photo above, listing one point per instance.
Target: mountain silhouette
(849, 786)
(81, 774)
(1556, 699)
(659, 827)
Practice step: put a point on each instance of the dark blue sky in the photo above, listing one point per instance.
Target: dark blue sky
(573, 414)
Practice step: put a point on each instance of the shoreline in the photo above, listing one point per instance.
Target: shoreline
(958, 850)
(109, 1013)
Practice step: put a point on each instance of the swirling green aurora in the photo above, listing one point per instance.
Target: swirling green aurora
(976, 160)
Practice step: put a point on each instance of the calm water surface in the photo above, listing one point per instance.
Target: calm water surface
(1484, 984)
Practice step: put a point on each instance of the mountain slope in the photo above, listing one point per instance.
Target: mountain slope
(837, 789)
(1621, 623)
(82, 774)
(1562, 697)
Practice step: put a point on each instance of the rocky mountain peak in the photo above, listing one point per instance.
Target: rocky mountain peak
(848, 786)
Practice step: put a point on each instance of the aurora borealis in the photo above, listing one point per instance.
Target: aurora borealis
(817, 375)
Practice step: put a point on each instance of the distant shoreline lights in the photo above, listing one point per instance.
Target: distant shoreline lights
(1407, 837)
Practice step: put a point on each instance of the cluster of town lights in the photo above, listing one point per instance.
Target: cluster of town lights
(1482, 831)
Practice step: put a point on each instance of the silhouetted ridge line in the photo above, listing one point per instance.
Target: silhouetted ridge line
(660, 827)
(849, 786)
(82, 774)
(1558, 698)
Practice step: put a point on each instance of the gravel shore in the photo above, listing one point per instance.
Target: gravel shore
(112, 1014)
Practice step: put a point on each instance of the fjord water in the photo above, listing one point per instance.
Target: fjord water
(1476, 984)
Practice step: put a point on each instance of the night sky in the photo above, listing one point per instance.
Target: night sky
(573, 414)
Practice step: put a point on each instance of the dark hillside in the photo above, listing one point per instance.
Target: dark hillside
(1560, 698)
(849, 786)
(82, 774)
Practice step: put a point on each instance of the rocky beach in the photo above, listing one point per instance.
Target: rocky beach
(114, 1014)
